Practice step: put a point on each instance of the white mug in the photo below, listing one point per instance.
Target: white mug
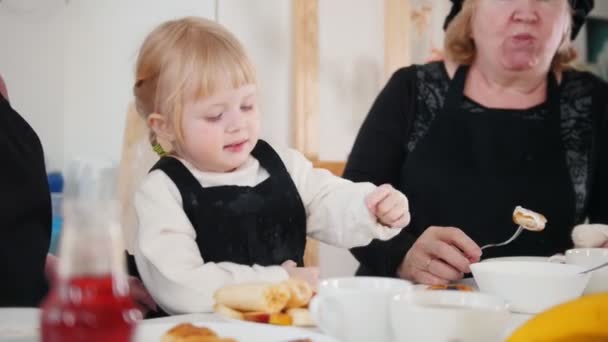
(355, 309)
(440, 316)
(588, 258)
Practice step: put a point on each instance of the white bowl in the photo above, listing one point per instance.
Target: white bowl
(517, 258)
(448, 316)
(530, 286)
(588, 258)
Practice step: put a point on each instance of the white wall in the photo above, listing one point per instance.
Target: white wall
(102, 42)
(351, 47)
(264, 28)
(69, 68)
(32, 62)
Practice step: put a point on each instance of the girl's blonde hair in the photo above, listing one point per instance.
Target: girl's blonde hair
(460, 47)
(184, 59)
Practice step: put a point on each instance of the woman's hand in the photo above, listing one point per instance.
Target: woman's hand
(590, 235)
(389, 206)
(439, 256)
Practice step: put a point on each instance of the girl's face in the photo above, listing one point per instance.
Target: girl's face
(221, 130)
(519, 34)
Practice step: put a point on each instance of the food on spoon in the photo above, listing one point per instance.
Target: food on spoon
(262, 297)
(529, 219)
(186, 332)
(300, 293)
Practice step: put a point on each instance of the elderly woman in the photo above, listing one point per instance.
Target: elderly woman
(503, 121)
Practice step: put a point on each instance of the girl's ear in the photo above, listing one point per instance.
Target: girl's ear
(159, 124)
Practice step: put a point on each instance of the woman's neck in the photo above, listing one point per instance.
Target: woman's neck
(495, 88)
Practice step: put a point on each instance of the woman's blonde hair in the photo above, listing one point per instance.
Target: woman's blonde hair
(184, 59)
(460, 47)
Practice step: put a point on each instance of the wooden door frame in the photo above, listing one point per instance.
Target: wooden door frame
(305, 96)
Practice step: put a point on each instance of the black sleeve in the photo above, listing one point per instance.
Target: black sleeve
(25, 212)
(598, 205)
(377, 156)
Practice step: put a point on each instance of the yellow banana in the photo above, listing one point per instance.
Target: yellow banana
(583, 319)
(263, 297)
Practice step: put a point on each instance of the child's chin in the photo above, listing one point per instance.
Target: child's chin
(235, 162)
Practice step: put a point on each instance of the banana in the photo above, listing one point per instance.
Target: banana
(301, 317)
(583, 319)
(300, 293)
(264, 297)
(225, 311)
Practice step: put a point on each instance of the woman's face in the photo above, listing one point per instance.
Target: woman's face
(520, 34)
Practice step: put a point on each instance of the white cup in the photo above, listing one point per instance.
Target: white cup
(588, 258)
(356, 309)
(439, 316)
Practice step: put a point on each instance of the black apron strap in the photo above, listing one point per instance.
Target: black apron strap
(187, 185)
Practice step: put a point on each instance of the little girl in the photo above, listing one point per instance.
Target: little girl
(221, 206)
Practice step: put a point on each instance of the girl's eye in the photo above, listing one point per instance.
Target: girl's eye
(246, 108)
(214, 118)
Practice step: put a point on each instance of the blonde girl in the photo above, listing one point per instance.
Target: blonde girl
(222, 206)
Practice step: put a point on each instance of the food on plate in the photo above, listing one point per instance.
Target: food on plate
(300, 317)
(228, 312)
(270, 318)
(582, 319)
(264, 297)
(529, 219)
(300, 293)
(456, 287)
(186, 332)
(273, 303)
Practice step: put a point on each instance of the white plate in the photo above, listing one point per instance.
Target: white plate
(241, 331)
(19, 324)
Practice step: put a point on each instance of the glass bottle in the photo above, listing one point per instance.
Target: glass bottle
(90, 301)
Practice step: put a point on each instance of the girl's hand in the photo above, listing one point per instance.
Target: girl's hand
(307, 274)
(390, 206)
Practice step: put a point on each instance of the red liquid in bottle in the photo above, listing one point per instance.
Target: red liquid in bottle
(90, 301)
(88, 309)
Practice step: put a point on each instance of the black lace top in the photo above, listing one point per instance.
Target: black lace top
(406, 108)
(577, 120)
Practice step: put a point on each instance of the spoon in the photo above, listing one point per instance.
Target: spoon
(595, 268)
(517, 233)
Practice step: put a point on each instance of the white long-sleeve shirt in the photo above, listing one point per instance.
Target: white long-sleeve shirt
(167, 255)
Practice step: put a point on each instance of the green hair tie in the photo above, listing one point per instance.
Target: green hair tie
(158, 148)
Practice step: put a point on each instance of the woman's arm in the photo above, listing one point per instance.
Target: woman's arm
(25, 212)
